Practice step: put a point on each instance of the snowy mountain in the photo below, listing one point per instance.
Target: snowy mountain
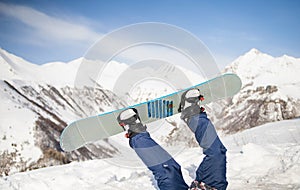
(258, 69)
(57, 74)
(271, 91)
(37, 102)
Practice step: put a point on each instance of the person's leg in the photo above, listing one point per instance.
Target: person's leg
(212, 170)
(165, 169)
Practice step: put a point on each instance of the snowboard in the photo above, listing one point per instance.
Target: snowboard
(98, 127)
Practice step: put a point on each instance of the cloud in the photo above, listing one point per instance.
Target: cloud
(47, 28)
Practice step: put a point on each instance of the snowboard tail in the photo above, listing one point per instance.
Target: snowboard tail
(95, 128)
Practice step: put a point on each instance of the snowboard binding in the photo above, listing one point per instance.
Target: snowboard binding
(189, 104)
(130, 121)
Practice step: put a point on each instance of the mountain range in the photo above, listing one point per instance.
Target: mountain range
(37, 102)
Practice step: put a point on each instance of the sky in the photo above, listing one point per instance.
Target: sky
(54, 30)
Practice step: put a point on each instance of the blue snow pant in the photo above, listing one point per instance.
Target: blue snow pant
(167, 172)
(212, 170)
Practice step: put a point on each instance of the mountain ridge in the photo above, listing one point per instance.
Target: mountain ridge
(45, 101)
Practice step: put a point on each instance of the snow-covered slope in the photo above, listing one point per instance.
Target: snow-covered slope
(265, 157)
(33, 117)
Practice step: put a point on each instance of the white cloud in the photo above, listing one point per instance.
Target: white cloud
(49, 28)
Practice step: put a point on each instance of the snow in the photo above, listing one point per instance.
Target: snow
(58, 74)
(265, 157)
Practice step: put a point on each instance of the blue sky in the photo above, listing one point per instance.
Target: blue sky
(54, 30)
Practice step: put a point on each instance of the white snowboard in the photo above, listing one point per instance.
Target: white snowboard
(98, 127)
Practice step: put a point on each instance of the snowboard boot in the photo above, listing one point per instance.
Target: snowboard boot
(189, 104)
(200, 186)
(130, 121)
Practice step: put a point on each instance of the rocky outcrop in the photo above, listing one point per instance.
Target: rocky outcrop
(254, 107)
